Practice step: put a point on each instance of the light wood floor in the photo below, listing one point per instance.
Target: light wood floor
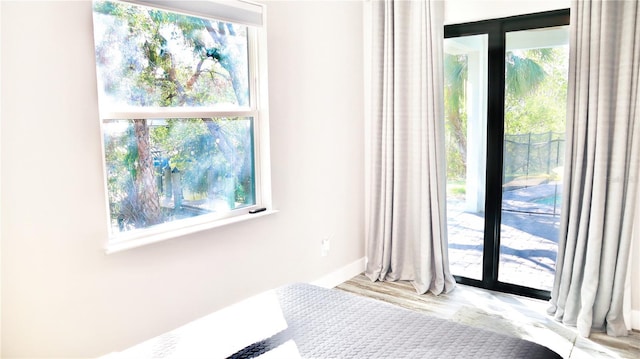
(508, 314)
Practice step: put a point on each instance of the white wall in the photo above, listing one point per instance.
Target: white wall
(461, 11)
(61, 295)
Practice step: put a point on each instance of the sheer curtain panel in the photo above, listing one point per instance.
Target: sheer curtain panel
(602, 166)
(406, 229)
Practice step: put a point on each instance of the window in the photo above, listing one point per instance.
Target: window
(182, 115)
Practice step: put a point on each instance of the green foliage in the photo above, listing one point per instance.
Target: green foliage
(541, 108)
(456, 68)
(456, 188)
(536, 84)
(524, 75)
(455, 71)
(156, 58)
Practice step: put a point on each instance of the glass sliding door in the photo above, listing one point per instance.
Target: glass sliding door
(505, 97)
(465, 65)
(536, 65)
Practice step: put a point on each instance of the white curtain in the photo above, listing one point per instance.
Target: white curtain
(603, 152)
(405, 209)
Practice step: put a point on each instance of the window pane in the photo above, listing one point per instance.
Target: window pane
(466, 141)
(149, 57)
(164, 170)
(535, 109)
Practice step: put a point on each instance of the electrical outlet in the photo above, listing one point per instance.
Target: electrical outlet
(325, 246)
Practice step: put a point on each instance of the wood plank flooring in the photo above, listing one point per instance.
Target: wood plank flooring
(504, 313)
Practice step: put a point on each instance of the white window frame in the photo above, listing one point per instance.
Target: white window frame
(240, 12)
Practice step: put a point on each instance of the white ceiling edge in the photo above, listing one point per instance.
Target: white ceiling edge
(463, 11)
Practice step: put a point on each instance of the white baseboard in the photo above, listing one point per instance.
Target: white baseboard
(635, 319)
(341, 275)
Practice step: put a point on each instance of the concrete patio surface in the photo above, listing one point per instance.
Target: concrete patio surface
(528, 241)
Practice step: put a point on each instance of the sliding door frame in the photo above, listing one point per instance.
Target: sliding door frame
(496, 31)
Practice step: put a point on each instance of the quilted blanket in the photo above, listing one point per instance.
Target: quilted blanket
(305, 321)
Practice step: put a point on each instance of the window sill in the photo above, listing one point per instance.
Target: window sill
(145, 239)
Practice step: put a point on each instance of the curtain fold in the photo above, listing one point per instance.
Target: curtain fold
(406, 228)
(602, 166)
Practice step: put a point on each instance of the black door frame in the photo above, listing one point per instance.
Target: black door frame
(496, 30)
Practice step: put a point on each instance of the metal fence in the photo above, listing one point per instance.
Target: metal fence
(535, 160)
(533, 154)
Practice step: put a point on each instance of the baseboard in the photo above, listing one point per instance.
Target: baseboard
(341, 275)
(635, 319)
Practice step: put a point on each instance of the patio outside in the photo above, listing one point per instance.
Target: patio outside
(529, 236)
(530, 216)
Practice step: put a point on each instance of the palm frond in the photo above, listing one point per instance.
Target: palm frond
(523, 75)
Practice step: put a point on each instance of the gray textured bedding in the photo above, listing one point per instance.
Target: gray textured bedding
(305, 321)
